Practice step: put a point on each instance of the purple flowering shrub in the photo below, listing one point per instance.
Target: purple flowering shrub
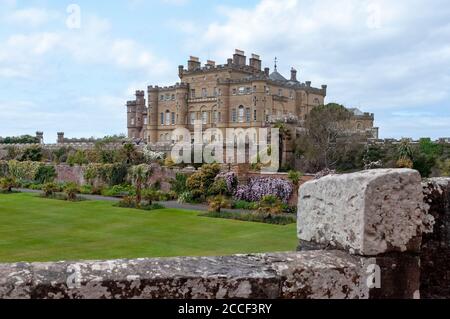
(257, 188)
(230, 179)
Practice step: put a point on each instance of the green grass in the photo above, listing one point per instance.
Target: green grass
(37, 229)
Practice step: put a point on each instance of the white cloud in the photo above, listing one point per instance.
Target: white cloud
(92, 44)
(378, 53)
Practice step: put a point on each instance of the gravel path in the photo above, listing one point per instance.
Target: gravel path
(170, 204)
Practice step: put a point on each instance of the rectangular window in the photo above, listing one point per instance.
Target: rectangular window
(247, 115)
(234, 91)
(204, 93)
(132, 122)
(145, 121)
(193, 94)
(267, 89)
(241, 114)
(233, 116)
(173, 118)
(161, 98)
(205, 117)
(254, 115)
(173, 97)
(167, 118)
(216, 93)
(215, 118)
(162, 118)
(193, 118)
(241, 90)
(280, 92)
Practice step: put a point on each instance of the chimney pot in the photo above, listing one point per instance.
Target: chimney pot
(293, 75)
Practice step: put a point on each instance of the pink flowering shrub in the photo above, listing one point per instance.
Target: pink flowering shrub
(257, 188)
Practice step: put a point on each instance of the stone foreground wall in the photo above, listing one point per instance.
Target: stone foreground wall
(281, 275)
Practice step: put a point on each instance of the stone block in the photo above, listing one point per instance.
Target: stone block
(435, 252)
(366, 213)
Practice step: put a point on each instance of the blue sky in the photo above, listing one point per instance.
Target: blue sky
(391, 58)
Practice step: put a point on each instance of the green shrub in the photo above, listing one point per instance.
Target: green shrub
(281, 219)
(270, 205)
(7, 184)
(219, 187)
(242, 204)
(119, 191)
(150, 196)
(33, 154)
(35, 186)
(287, 209)
(71, 190)
(127, 202)
(295, 177)
(199, 183)
(3, 169)
(23, 170)
(50, 189)
(186, 197)
(218, 202)
(45, 174)
(178, 185)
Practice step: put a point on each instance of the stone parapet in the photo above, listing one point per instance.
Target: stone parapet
(367, 213)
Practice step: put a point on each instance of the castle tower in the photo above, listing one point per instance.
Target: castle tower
(131, 119)
(153, 98)
(182, 105)
(140, 106)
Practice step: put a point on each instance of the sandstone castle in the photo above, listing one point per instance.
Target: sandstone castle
(231, 95)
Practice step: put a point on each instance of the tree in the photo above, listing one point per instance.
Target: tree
(33, 154)
(323, 127)
(130, 153)
(139, 175)
(405, 150)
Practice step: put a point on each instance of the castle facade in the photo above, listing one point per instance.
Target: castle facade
(238, 94)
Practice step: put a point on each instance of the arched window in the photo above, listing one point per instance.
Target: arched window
(359, 126)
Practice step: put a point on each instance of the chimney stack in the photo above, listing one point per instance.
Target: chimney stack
(180, 71)
(211, 63)
(239, 58)
(255, 62)
(293, 75)
(308, 83)
(267, 71)
(194, 63)
(324, 89)
(230, 62)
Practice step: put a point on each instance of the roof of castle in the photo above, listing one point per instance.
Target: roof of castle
(276, 76)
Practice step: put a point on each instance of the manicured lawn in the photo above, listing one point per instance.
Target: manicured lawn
(36, 229)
